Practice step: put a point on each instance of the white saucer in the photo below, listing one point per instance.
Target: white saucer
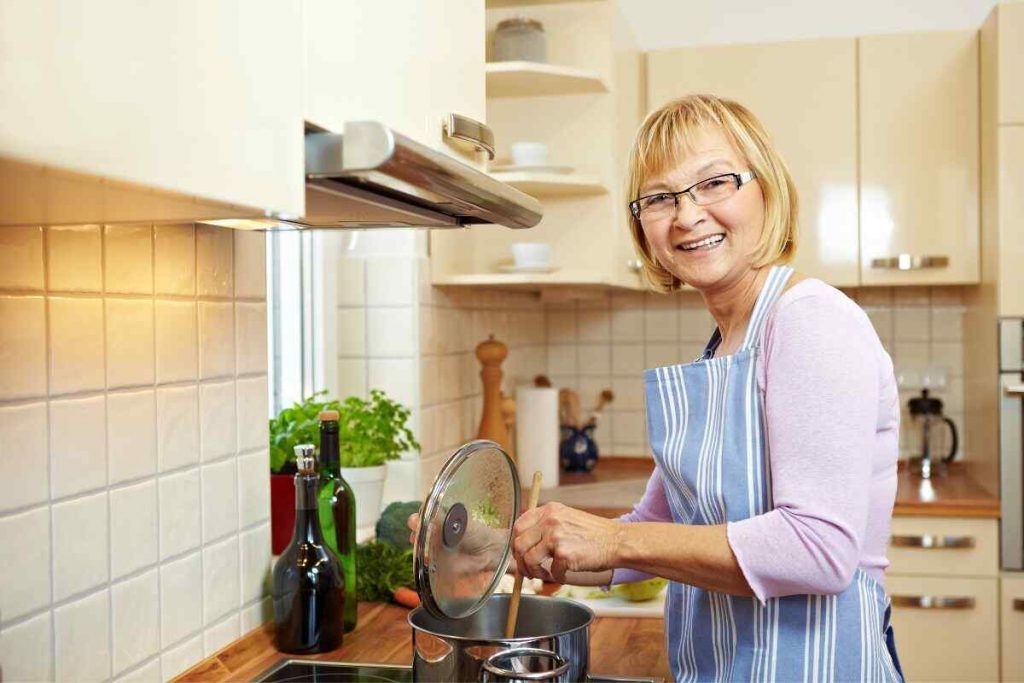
(513, 268)
(513, 168)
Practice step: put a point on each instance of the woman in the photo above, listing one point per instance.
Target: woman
(775, 452)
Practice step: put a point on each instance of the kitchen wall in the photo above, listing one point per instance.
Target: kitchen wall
(607, 341)
(134, 496)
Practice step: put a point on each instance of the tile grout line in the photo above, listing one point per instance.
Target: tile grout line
(52, 664)
(106, 448)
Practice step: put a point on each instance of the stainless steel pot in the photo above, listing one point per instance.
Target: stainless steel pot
(457, 649)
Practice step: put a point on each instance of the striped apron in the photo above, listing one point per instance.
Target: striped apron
(706, 428)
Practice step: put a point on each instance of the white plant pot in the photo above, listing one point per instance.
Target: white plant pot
(368, 485)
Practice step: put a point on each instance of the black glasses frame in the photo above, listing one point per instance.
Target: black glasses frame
(740, 178)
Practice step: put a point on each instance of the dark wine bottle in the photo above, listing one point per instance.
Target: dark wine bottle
(337, 504)
(308, 586)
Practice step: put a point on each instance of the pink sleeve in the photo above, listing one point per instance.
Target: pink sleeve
(821, 397)
(653, 507)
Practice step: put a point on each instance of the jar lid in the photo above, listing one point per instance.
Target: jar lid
(520, 22)
(463, 546)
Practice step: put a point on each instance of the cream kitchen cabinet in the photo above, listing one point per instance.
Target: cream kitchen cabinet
(805, 94)
(919, 180)
(199, 99)
(1011, 609)
(407, 65)
(943, 582)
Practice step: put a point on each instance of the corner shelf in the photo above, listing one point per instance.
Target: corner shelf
(530, 79)
(551, 184)
(527, 281)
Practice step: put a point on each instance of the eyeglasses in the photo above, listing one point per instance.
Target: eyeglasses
(659, 206)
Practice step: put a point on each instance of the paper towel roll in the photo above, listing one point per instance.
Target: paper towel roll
(537, 434)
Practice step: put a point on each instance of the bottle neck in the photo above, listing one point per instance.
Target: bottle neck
(307, 519)
(330, 449)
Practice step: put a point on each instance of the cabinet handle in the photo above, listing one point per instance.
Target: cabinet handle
(930, 542)
(932, 602)
(634, 265)
(1018, 604)
(1014, 390)
(468, 130)
(910, 262)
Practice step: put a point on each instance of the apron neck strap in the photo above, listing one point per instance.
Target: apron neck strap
(778, 276)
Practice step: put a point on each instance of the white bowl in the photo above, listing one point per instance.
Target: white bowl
(531, 254)
(529, 153)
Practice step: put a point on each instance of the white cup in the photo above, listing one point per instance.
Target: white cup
(529, 153)
(531, 254)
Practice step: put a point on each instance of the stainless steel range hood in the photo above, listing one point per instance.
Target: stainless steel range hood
(369, 176)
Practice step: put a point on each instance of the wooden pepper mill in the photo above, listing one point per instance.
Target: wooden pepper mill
(491, 353)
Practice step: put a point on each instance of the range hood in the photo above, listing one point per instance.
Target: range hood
(369, 176)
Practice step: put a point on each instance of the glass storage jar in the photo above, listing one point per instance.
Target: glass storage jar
(519, 39)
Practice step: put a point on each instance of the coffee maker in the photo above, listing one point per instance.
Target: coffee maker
(926, 415)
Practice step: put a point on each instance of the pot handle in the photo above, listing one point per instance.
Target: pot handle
(492, 671)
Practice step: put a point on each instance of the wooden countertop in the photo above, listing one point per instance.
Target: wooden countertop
(618, 647)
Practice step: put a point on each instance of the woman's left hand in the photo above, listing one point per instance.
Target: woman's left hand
(572, 540)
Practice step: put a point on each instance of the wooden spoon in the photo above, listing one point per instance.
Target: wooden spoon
(517, 588)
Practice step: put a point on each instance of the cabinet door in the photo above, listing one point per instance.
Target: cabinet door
(958, 641)
(1011, 220)
(406, 64)
(1011, 63)
(805, 95)
(1012, 625)
(195, 97)
(918, 99)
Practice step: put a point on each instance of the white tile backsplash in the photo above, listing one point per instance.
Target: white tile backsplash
(83, 639)
(180, 514)
(391, 332)
(177, 425)
(253, 429)
(253, 488)
(250, 265)
(78, 445)
(351, 335)
(148, 673)
(176, 350)
(80, 545)
(25, 570)
(255, 551)
(21, 257)
(135, 607)
(178, 659)
(24, 471)
(220, 499)
(134, 528)
(214, 272)
(251, 337)
(174, 269)
(216, 339)
(76, 345)
(627, 325)
(131, 435)
(221, 633)
(128, 259)
(25, 650)
(181, 598)
(217, 420)
(74, 258)
(221, 591)
(22, 357)
(396, 377)
(390, 281)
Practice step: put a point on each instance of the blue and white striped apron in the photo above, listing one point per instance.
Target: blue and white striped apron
(706, 427)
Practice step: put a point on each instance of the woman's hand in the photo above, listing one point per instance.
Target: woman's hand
(568, 539)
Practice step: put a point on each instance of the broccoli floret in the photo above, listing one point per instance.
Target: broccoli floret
(392, 528)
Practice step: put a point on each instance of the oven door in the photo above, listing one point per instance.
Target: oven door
(1011, 441)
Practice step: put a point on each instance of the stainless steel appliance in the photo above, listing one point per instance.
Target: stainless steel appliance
(371, 176)
(1011, 441)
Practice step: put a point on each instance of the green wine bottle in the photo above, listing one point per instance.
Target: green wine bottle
(337, 505)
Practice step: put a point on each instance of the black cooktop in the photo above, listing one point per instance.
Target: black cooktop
(298, 670)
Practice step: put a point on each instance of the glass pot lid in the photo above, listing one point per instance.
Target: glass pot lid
(464, 542)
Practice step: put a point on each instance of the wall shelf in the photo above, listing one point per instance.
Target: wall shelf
(551, 184)
(530, 79)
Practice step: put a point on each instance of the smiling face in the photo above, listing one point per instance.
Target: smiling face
(708, 247)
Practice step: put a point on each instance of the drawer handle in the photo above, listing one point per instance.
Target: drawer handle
(1018, 604)
(930, 542)
(910, 262)
(932, 602)
(1014, 390)
(467, 130)
(634, 265)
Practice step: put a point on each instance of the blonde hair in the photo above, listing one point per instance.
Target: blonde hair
(663, 140)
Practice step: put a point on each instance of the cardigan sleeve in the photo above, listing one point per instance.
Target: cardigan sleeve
(821, 402)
